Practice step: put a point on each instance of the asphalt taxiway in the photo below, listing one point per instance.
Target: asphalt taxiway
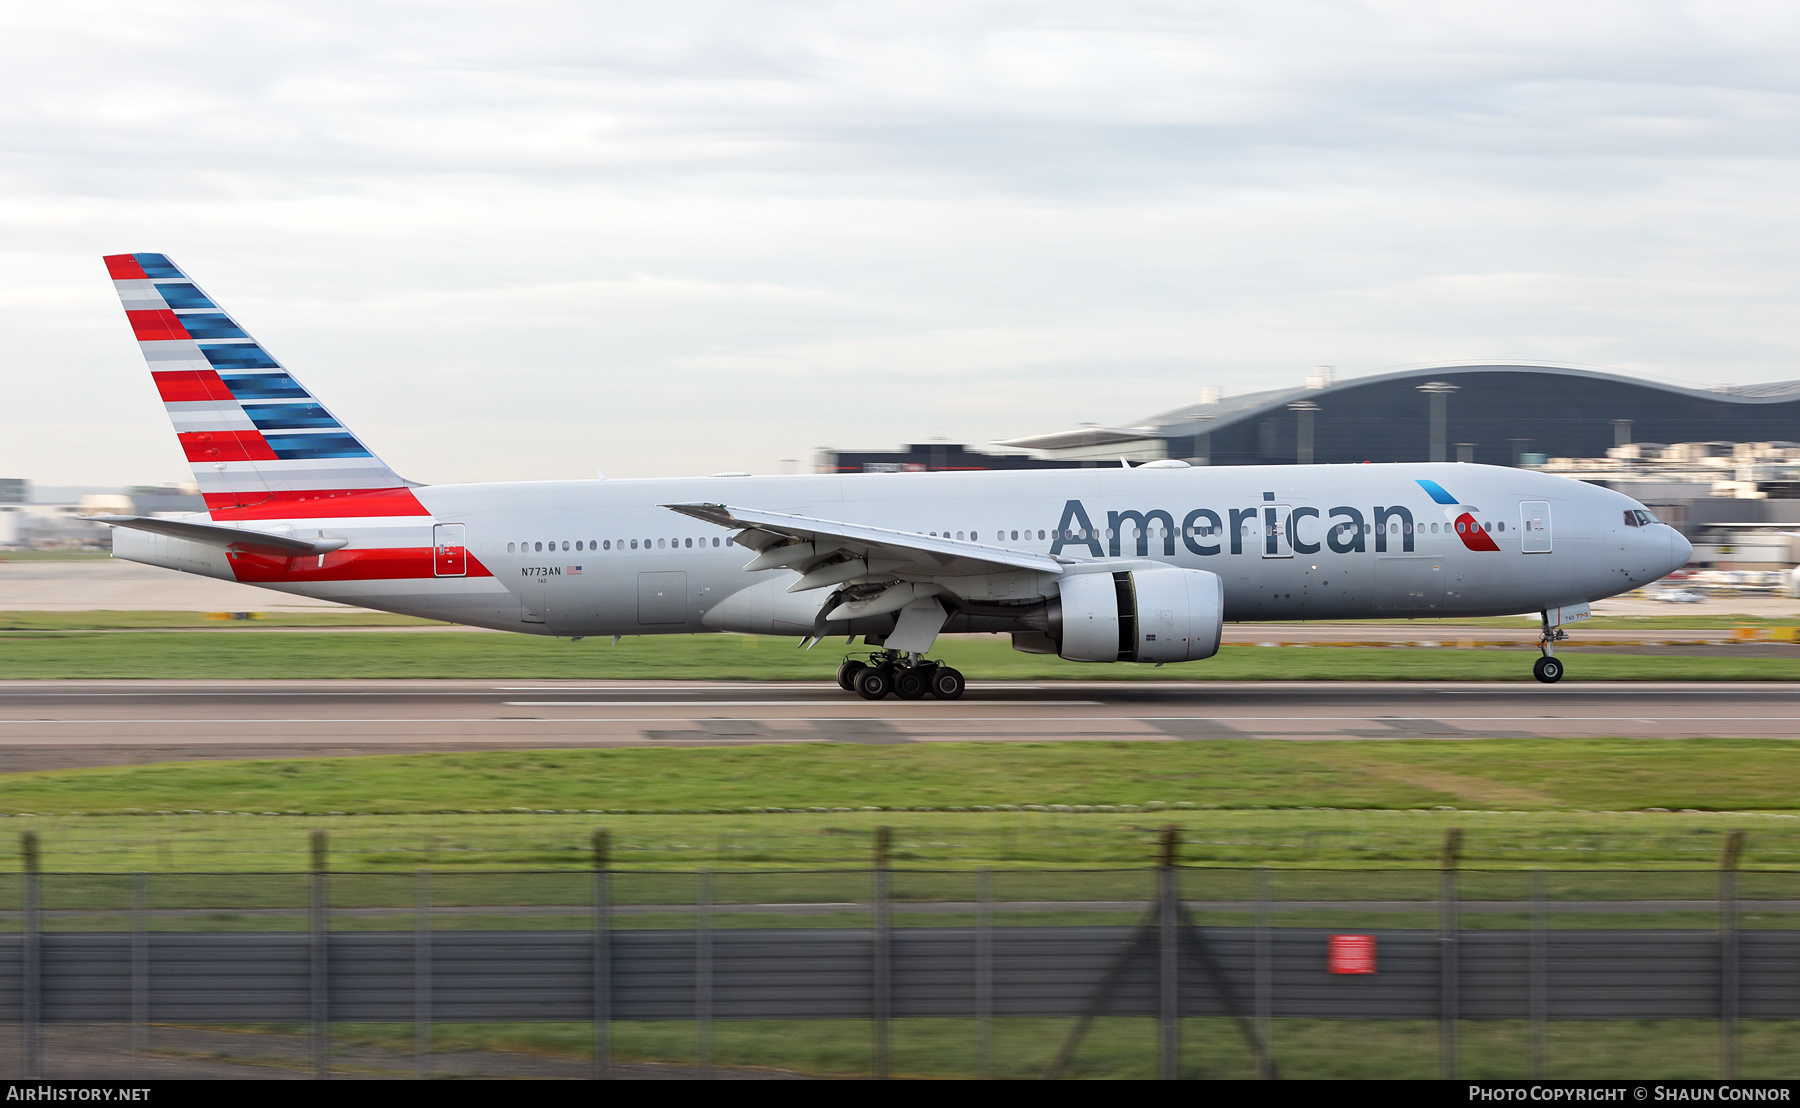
(55, 724)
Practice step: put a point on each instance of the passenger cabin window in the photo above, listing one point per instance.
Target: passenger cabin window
(509, 548)
(540, 546)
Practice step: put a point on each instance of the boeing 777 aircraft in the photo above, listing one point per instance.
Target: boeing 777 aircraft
(1124, 564)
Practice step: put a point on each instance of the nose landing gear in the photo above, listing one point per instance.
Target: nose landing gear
(907, 676)
(1549, 669)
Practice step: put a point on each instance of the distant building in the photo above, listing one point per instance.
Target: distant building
(14, 490)
(930, 457)
(1494, 414)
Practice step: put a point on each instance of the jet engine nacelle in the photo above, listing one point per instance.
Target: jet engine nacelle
(1142, 615)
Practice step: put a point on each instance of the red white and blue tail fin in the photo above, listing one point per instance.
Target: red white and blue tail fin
(261, 445)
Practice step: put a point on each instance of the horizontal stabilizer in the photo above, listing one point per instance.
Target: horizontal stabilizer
(215, 534)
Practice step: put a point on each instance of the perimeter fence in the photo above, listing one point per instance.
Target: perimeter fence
(1166, 970)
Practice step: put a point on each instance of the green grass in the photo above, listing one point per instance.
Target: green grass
(232, 654)
(1565, 802)
(1115, 1047)
(1514, 774)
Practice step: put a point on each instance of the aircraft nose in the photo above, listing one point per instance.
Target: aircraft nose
(1680, 550)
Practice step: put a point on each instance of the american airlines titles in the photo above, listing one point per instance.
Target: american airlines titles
(1206, 532)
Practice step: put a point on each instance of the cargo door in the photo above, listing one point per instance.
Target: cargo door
(1534, 526)
(1408, 584)
(662, 598)
(449, 557)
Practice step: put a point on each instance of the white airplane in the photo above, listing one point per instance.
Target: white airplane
(1124, 564)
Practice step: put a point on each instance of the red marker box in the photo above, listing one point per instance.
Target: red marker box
(1350, 954)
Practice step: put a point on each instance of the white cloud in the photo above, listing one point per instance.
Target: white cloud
(529, 241)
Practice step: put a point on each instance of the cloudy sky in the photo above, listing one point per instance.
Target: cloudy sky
(535, 239)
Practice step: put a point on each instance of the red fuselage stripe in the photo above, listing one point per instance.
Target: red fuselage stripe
(401, 564)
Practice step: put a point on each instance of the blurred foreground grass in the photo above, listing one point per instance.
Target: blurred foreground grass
(238, 654)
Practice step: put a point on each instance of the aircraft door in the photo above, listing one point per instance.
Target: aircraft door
(449, 557)
(1534, 526)
(1277, 520)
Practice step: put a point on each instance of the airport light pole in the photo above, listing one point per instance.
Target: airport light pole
(1438, 391)
(1303, 413)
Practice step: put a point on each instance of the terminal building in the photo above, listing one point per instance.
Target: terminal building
(1493, 414)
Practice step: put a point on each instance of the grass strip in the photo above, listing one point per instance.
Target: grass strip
(1567, 803)
(299, 655)
(1514, 774)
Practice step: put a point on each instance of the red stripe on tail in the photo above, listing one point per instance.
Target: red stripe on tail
(156, 326)
(315, 504)
(124, 267)
(186, 386)
(226, 446)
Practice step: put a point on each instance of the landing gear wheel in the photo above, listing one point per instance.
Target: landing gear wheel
(911, 683)
(873, 683)
(847, 673)
(946, 683)
(1547, 670)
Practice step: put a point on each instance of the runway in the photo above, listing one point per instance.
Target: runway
(57, 724)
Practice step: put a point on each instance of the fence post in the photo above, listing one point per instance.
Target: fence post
(1729, 976)
(320, 1011)
(1540, 976)
(1449, 1001)
(1169, 951)
(422, 974)
(703, 971)
(31, 1042)
(1265, 967)
(140, 971)
(602, 955)
(984, 973)
(882, 949)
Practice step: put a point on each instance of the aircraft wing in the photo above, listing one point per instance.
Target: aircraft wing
(214, 534)
(800, 542)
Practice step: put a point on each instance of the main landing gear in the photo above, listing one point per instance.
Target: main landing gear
(907, 676)
(1549, 668)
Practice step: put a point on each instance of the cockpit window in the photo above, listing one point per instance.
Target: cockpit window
(1631, 519)
(1644, 518)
